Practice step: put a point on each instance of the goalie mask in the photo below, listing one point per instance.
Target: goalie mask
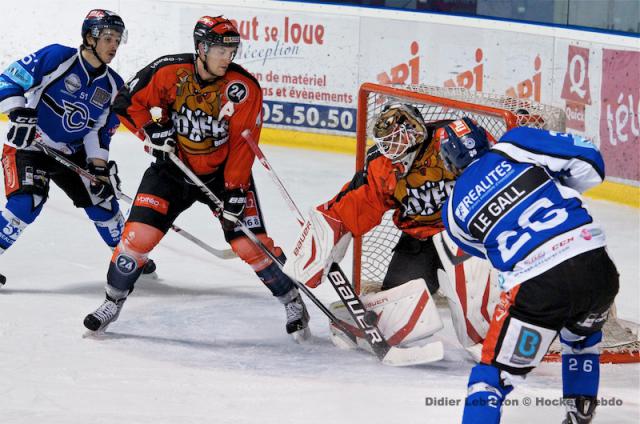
(398, 131)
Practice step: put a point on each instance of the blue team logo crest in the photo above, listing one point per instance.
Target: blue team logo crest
(75, 117)
(72, 83)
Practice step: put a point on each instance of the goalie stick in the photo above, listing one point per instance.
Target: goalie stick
(54, 154)
(388, 354)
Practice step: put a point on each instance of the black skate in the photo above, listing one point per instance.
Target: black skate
(580, 409)
(149, 270)
(297, 319)
(3, 280)
(107, 313)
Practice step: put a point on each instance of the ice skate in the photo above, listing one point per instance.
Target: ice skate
(580, 410)
(107, 313)
(3, 280)
(149, 271)
(297, 319)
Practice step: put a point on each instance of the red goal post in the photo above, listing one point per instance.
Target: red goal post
(372, 252)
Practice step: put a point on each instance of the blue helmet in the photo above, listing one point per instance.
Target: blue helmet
(462, 142)
(100, 19)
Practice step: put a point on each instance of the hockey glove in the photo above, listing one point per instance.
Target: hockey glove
(234, 203)
(22, 129)
(160, 139)
(109, 184)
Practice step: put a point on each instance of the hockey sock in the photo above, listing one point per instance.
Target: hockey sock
(276, 280)
(485, 393)
(18, 214)
(580, 364)
(109, 223)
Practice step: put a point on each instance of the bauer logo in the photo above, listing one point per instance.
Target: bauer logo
(126, 264)
(150, 201)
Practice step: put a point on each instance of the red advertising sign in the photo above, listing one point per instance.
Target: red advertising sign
(576, 89)
(620, 118)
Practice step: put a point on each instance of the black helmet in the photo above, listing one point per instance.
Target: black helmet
(99, 19)
(216, 30)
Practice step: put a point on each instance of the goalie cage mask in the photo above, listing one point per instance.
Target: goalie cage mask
(398, 130)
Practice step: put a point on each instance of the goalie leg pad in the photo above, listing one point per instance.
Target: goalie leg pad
(470, 286)
(322, 241)
(405, 314)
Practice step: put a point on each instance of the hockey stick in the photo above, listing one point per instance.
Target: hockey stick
(365, 322)
(54, 154)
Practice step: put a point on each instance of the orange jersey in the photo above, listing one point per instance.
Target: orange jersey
(208, 117)
(416, 197)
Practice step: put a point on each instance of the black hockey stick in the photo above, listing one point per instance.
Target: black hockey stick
(363, 319)
(54, 154)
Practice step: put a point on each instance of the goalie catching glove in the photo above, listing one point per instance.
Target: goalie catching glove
(322, 241)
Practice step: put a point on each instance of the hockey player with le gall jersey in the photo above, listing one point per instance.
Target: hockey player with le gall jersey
(518, 205)
(403, 173)
(206, 102)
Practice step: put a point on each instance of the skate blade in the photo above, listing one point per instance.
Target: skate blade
(89, 334)
(301, 336)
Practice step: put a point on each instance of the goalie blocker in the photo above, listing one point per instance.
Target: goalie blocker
(406, 313)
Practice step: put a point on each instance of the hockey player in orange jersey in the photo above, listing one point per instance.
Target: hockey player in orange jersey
(405, 173)
(206, 102)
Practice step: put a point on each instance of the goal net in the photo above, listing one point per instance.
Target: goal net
(373, 251)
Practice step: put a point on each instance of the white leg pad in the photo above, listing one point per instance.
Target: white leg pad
(470, 288)
(406, 313)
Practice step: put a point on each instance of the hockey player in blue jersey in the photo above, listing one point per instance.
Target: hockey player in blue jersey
(518, 204)
(61, 96)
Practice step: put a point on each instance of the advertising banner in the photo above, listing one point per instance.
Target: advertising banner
(306, 65)
(619, 114)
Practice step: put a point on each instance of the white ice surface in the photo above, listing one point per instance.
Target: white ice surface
(206, 343)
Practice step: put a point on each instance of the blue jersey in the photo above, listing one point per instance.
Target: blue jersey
(73, 100)
(519, 204)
